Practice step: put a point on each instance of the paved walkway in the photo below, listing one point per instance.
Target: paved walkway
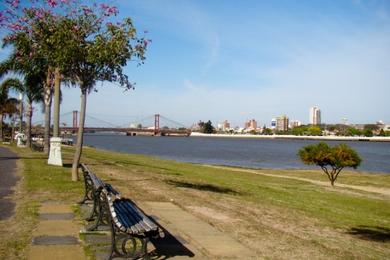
(57, 235)
(198, 235)
(186, 237)
(8, 180)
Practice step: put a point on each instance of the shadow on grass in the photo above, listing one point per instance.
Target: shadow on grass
(67, 165)
(378, 234)
(203, 187)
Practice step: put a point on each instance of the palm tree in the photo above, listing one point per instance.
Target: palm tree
(8, 106)
(32, 88)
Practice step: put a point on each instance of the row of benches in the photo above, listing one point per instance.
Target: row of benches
(130, 228)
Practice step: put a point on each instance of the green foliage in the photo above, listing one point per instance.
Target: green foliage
(208, 128)
(8, 105)
(267, 131)
(331, 159)
(368, 133)
(314, 130)
(351, 131)
(306, 130)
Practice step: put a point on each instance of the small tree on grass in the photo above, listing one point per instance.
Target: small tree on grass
(331, 159)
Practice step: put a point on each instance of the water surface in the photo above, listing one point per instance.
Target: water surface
(253, 153)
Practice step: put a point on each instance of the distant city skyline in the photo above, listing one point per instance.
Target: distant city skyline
(217, 60)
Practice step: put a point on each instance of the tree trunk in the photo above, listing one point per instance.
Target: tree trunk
(28, 124)
(1, 126)
(56, 118)
(80, 135)
(47, 101)
(21, 114)
(13, 129)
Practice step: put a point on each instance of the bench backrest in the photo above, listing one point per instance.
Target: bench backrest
(128, 217)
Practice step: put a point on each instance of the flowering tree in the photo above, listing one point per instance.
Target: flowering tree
(79, 43)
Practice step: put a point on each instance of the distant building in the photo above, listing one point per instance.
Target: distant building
(315, 116)
(295, 123)
(251, 124)
(282, 123)
(224, 126)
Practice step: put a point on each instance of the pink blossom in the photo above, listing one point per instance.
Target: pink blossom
(14, 3)
(52, 3)
(104, 6)
(2, 17)
(87, 10)
(146, 42)
(112, 10)
(15, 26)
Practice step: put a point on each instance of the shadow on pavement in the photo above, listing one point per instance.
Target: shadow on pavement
(169, 246)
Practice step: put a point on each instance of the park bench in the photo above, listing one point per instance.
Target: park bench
(93, 188)
(130, 227)
(37, 146)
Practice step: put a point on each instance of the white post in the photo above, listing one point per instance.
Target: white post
(55, 157)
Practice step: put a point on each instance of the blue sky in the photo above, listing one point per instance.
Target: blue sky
(238, 60)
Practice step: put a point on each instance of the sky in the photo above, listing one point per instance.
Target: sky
(238, 60)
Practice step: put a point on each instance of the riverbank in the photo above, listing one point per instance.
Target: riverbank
(284, 218)
(284, 214)
(299, 137)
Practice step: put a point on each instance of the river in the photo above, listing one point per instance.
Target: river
(252, 153)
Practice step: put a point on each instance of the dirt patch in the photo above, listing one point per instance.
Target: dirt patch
(210, 213)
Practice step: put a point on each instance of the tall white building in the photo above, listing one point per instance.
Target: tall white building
(315, 116)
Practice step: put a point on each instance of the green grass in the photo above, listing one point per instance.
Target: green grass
(335, 208)
(358, 222)
(39, 182)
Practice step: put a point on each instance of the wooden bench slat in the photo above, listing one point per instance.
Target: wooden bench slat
(145, 219)
(128, 220)
(132, 209)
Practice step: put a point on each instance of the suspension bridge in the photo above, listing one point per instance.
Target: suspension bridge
(154, 125)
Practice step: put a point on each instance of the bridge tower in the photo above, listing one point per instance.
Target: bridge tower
(75, 121)
(156, 124)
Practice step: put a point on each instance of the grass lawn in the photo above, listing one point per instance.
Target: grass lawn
(274, 217)
(39, 182)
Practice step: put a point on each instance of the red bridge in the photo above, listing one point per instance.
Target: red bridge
(130, 131)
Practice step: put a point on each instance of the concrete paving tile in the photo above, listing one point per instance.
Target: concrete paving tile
(56, 228)
(215, 242)
(56, 216)
(55, 240)
(63, 252)
(47, 208)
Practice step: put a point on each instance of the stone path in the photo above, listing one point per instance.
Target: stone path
(198, 235)
(57, 235)
(8, 180)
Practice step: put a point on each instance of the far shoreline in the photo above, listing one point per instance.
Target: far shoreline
(297, 137)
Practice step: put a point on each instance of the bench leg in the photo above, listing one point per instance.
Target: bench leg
(101, 212)
(88, 190)
(122, 240)
(95, 208)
